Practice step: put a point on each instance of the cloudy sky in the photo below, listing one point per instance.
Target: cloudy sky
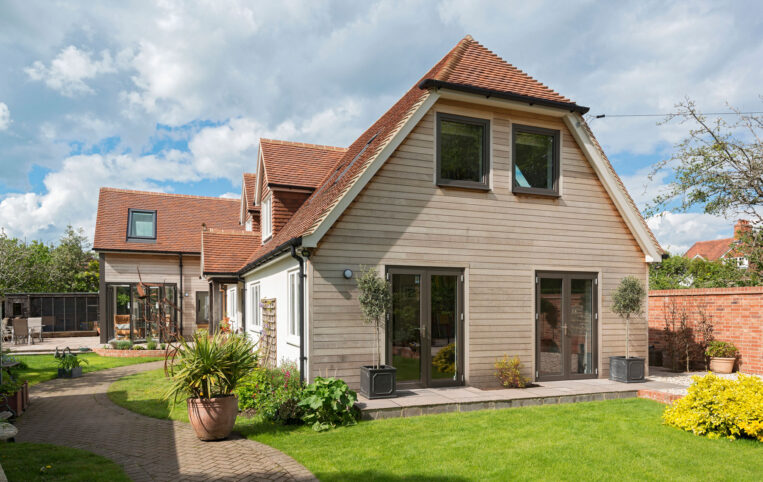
(173, 96)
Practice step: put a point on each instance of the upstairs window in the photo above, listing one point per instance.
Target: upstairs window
(463, 151)
(535, 160)
(249, 224)
(141, 225)
(267, 219)
(293, 327)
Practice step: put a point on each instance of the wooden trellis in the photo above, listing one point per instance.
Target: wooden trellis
(268, 338)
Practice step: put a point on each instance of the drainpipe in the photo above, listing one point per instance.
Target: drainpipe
(302, 357)
(182, 294)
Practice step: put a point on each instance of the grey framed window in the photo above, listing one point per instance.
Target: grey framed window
(141, 225)
(535, 160)
(463, 151)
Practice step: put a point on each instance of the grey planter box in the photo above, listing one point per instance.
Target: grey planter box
(378, 382)
(626, 370)
(75, 372)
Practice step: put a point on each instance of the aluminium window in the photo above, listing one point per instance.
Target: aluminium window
(267, 219)
(141, 225)
(293, 329)
(463, 151)
(535, 160)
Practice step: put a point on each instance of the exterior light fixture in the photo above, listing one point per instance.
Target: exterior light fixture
(347, 273)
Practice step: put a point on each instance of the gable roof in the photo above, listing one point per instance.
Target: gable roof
(710, 250)
(296, 163)
(225, 251)
(468, 67)
(178, 219)
(250, 182)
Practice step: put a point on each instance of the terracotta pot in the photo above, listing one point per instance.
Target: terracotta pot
(213, 418)
(722, 365)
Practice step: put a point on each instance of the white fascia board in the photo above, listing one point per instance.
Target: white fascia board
(311, 240)
(277, 259)
(258, 179)
(632, 217)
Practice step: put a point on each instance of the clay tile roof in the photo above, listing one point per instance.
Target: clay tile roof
(710, 250)
(225, 251)
(297, 163)
(178, 219)
(250, 180)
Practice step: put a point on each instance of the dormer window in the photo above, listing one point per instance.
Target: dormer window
(463, 151)
(141, 225)
(267, 219)
(535, 160)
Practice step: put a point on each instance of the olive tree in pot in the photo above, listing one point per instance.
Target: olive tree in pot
(377, 380)
(207, 370)
(628, 301)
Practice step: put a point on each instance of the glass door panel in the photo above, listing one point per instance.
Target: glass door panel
(443, 326)
(580, 326)
(550, 318)
(406, 326)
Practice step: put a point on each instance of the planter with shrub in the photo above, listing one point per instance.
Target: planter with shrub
(628, 301)
(377, 380)
(208, 370)
(722, 356)
(70, 366)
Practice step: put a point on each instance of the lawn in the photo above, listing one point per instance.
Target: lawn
(619, 439)
(29, 462)
(43, 367)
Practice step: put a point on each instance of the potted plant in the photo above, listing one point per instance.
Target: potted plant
(11, 393)
(722, 356)
(208, 369)
(70, 366)
(628, 301)
(377, 380)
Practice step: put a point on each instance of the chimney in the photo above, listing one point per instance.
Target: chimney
(742, 226)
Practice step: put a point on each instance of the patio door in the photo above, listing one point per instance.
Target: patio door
(566, 325)
(425, 326)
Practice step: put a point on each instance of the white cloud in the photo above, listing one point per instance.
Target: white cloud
(677, 232)
(5, 116)
(230, 195)
(69, 70)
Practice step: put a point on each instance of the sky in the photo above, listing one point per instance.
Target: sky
(173, 96)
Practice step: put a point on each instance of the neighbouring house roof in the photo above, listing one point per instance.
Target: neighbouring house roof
(225, 251)
(179, 219)
(296, 163)
(468, 66)
(710, 250)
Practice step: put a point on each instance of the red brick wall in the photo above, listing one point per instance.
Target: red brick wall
(736, 314)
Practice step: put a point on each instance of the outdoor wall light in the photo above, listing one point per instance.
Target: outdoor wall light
(347, 273)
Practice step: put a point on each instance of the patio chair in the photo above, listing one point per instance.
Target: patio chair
(121, 326)
(20, 330)
(35, 328)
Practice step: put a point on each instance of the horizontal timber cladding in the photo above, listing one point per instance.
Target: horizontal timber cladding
(500, 239)
(123, 267)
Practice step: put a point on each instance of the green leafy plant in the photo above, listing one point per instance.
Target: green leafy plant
(720, 407)
(273, 393)
(10, 386)
(509, 372)
(210, 365)
(121, 344)
(375, 300)
(138, 347)
(150, 343)
(163, 346)
(328, 402)
(68, 361)
(721, 349)
(628, 300)
(445, 359)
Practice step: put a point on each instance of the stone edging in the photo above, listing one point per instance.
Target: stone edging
(129, 353)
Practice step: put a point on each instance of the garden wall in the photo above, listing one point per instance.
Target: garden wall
(736, 314)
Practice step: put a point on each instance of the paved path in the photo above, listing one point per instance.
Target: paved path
(78, 413)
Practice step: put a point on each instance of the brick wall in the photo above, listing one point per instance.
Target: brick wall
(736, 314)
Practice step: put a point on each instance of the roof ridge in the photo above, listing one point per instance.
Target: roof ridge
(229, 231)
(454, 57)
(303, 144)
(168, 194)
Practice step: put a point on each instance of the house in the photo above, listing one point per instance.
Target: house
(724, 249)
(149, 247)
(485, 200)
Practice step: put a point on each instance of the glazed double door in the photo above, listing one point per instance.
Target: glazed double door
(425, 326)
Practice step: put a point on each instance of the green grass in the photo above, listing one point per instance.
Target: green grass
(44, 367)
(619, 439)
(29, 462)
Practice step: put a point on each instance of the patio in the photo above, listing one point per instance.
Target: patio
(427, 401)
(49, 345)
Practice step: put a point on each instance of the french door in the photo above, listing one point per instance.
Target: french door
(425, 326)
(566, 325)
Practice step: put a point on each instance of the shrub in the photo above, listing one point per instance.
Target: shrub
(163, 346)
(68, 361)
(138, 347)
(721, 349)
(720, 407)
(121, 344)
(273, 393)
(328, 402)
(509, 372)
(445, 359)
(150, 343)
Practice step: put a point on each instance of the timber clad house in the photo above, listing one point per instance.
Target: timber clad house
(481, 195)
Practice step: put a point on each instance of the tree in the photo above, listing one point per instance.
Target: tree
(678, 272)
(627, 301)
(718, 167)
(375, 300)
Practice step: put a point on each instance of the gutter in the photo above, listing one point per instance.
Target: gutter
(439, 84)
(302, 357)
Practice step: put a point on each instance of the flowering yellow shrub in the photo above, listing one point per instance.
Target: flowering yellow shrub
(719, 407)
